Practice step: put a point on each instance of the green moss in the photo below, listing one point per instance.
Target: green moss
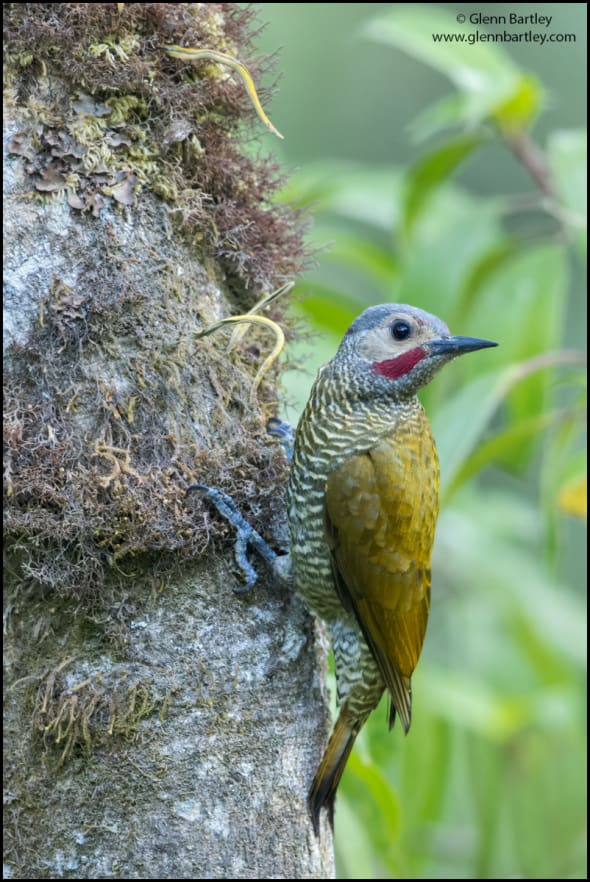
(96, 487)
(115, 50)
(77, 717)
(131, 108)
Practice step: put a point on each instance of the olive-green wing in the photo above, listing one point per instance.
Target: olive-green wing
(381, 509)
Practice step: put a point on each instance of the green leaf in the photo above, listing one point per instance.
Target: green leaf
(447, 113)
(459, 426)
(482, 270)
(367, 789)
(573, 497)
(492, 85)
(464, 701)
(522, 307)
(486, 779)
(355, 840)
(429, 749)
(563, 466)
(381, 790)
(446, 241)
(347, 190)
(431, 171)
(329, 310)
(351, 250)
(469, 65)
(567, 157)
(498, 569)
(521, 304)
(502, 446)
(522, 106)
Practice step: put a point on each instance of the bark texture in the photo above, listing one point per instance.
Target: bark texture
(156, 725)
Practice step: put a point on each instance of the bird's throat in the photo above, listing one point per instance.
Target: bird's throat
(393, 368)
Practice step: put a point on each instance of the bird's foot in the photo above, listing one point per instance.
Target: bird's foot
(246, 534)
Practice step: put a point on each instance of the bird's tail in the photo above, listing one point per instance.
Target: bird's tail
(327, 778)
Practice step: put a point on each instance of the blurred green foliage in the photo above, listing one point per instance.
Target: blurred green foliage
(490, 782)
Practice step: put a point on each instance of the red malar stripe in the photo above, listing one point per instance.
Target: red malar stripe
(393, 368)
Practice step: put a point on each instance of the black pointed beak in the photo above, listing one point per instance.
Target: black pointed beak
(456, 345)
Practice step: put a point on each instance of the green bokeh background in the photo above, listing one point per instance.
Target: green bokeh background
(342, 96)
(490, 782)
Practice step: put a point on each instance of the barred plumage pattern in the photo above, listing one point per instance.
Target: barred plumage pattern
(335, 426)
(362, 503)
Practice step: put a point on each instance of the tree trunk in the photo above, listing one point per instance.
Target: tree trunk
(157, 725)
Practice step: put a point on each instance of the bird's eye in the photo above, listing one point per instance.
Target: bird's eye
(400, 330)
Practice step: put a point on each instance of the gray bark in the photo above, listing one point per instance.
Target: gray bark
(156, 725)
(212, 784)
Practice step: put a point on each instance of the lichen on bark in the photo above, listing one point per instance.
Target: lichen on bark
(102, 139)
(154, 722)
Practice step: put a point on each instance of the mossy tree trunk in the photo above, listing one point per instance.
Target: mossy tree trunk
(157, 725)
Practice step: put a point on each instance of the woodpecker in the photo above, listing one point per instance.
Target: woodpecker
(362, 505)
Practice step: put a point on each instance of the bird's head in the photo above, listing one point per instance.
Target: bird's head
(396, 349)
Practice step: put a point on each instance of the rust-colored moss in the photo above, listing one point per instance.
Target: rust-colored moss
(138, 120)
(95, 477)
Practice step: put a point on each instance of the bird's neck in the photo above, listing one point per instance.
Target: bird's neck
(339, 421)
